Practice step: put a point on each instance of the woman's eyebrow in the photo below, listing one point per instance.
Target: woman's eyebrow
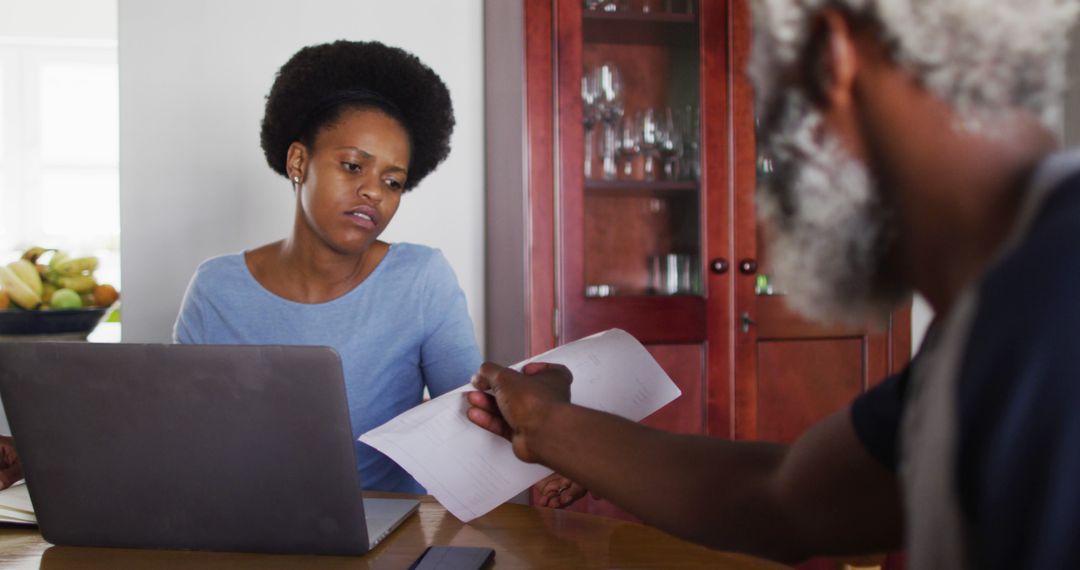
(368, 155)
(361, 151)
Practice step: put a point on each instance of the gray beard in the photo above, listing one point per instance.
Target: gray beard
(828, 229)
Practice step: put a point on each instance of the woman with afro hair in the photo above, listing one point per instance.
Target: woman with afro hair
(352, 126)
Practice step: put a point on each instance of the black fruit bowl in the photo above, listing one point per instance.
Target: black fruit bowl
(69, 322)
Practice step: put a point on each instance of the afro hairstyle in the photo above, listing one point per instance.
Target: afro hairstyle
(319, 82)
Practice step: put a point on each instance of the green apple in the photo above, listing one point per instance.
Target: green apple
(65, 299)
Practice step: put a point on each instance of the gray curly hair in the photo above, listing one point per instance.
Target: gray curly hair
(984, 57)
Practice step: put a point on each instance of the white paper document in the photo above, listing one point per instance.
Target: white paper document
(15, 505)
(470, 470)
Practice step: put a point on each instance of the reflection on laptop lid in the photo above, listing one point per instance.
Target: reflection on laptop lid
(232, 448)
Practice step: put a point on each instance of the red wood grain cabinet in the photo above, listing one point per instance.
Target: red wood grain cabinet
(576, 246)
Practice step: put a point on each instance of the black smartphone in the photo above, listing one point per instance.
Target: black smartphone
(454, 558)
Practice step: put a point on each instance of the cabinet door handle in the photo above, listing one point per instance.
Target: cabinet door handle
(745, 322)
(748, 267)
(719, 266)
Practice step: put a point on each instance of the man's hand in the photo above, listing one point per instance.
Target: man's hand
(557, 491)
(519, 402)
(10, 468)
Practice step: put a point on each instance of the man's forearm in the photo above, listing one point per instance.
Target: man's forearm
(821, 495)
(708, 490)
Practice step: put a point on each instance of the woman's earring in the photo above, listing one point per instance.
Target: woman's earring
(296, 179)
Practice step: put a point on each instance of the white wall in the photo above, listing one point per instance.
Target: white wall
(193, 181)
(78, 20)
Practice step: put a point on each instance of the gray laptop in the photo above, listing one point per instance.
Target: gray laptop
(231, 448)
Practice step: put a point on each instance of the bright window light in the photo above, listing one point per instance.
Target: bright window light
(59, 167)
(6, 233)
(3, 126)
(79, 113)
(79, 202)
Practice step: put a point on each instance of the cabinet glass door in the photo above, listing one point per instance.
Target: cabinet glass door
(640, 161)
(765, 283)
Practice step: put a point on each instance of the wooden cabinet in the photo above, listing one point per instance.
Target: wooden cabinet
(574, 248)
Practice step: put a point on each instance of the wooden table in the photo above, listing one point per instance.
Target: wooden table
(522, 536)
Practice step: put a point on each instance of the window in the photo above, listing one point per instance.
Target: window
(59, 154)
(7, 233)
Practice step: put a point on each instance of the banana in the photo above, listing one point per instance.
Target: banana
(28, 272)
(47, 292)
(78, 283)
(20, 293)
(57, 258)
(77, 266)
(34, 253)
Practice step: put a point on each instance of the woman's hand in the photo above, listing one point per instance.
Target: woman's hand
(519, 403)
(10, 468)
(557, 491)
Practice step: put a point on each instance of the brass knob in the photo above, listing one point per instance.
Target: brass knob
(748, 267)
(719, 266)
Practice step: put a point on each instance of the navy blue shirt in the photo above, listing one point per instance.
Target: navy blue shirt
(1018, 401)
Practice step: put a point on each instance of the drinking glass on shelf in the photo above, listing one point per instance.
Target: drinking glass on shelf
(607, 5)
(690, 125)
(610, 110)
(628, 145)
(673, 274)
(650, 133)
(652, 6)
(609, 152)
(610, 85)
(671, 145)
(590, 95)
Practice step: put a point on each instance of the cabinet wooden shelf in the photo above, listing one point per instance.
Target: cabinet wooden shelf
(659, 18)
(640, 187)
(684, 316)
(638, 28)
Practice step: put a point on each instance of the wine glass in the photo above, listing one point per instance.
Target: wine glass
(649, 133)
(610, 106)
(671, 145)
(651, 6)
(607, 5)
(591, 114)
(628, 146)
(691, 129)
(610, 147)
(610, 86)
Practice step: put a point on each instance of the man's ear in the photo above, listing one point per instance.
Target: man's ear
(296, 162)
(833, 60)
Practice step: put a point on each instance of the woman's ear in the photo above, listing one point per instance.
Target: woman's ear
(833, 61)
(296, 162)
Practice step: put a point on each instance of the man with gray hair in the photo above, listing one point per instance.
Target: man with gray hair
(915, 149)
